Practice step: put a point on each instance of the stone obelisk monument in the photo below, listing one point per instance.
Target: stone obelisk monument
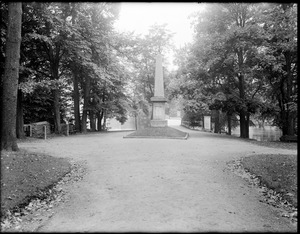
(159, 100)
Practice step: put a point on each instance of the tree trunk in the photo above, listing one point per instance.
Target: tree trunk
(104, 119)
(76, 101)
(100, 117)
(136, 121)
(287, 123)
(20, 119)
(76, 95)
(217, 122)
(229, 123)
(54, 64)
(11, 77)
(289, 86)
(243, 130)
(84, 121)
(102, 113)
(92, 120)
(242, 112)
(56, 110)
(85, 104)
(247, 124)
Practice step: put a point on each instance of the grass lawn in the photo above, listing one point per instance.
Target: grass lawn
(24, 174)
(277, 172)
(158, 132)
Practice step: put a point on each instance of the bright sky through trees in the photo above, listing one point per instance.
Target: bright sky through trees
(139, 17)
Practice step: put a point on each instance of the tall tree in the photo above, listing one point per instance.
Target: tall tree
(11, 76)
(50, 45)
(75, 72)
(96, 30)
(226, 47)
(279, 60)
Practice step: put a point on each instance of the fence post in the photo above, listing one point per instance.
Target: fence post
(45, 132)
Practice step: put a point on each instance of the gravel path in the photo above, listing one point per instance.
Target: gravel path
(159, 185)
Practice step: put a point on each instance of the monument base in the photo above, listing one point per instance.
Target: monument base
(155, 123)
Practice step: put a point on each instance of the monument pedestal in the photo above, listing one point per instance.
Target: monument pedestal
(158, 123)
(158, 108)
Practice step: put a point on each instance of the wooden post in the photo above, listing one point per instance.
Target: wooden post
(30, 130)
(68, 129)
(45, 132)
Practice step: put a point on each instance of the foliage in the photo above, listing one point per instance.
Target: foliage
(279, 62)
(158, 40)
(242, 62)
(38, 106)
(63, 39)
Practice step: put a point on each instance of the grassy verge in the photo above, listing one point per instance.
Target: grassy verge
(277, 172)
(24, 174)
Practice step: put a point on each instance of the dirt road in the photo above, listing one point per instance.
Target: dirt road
(159, 185)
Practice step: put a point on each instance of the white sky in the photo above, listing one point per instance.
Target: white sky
(139, 17)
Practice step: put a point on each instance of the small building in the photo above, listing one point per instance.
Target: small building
(37, 129)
